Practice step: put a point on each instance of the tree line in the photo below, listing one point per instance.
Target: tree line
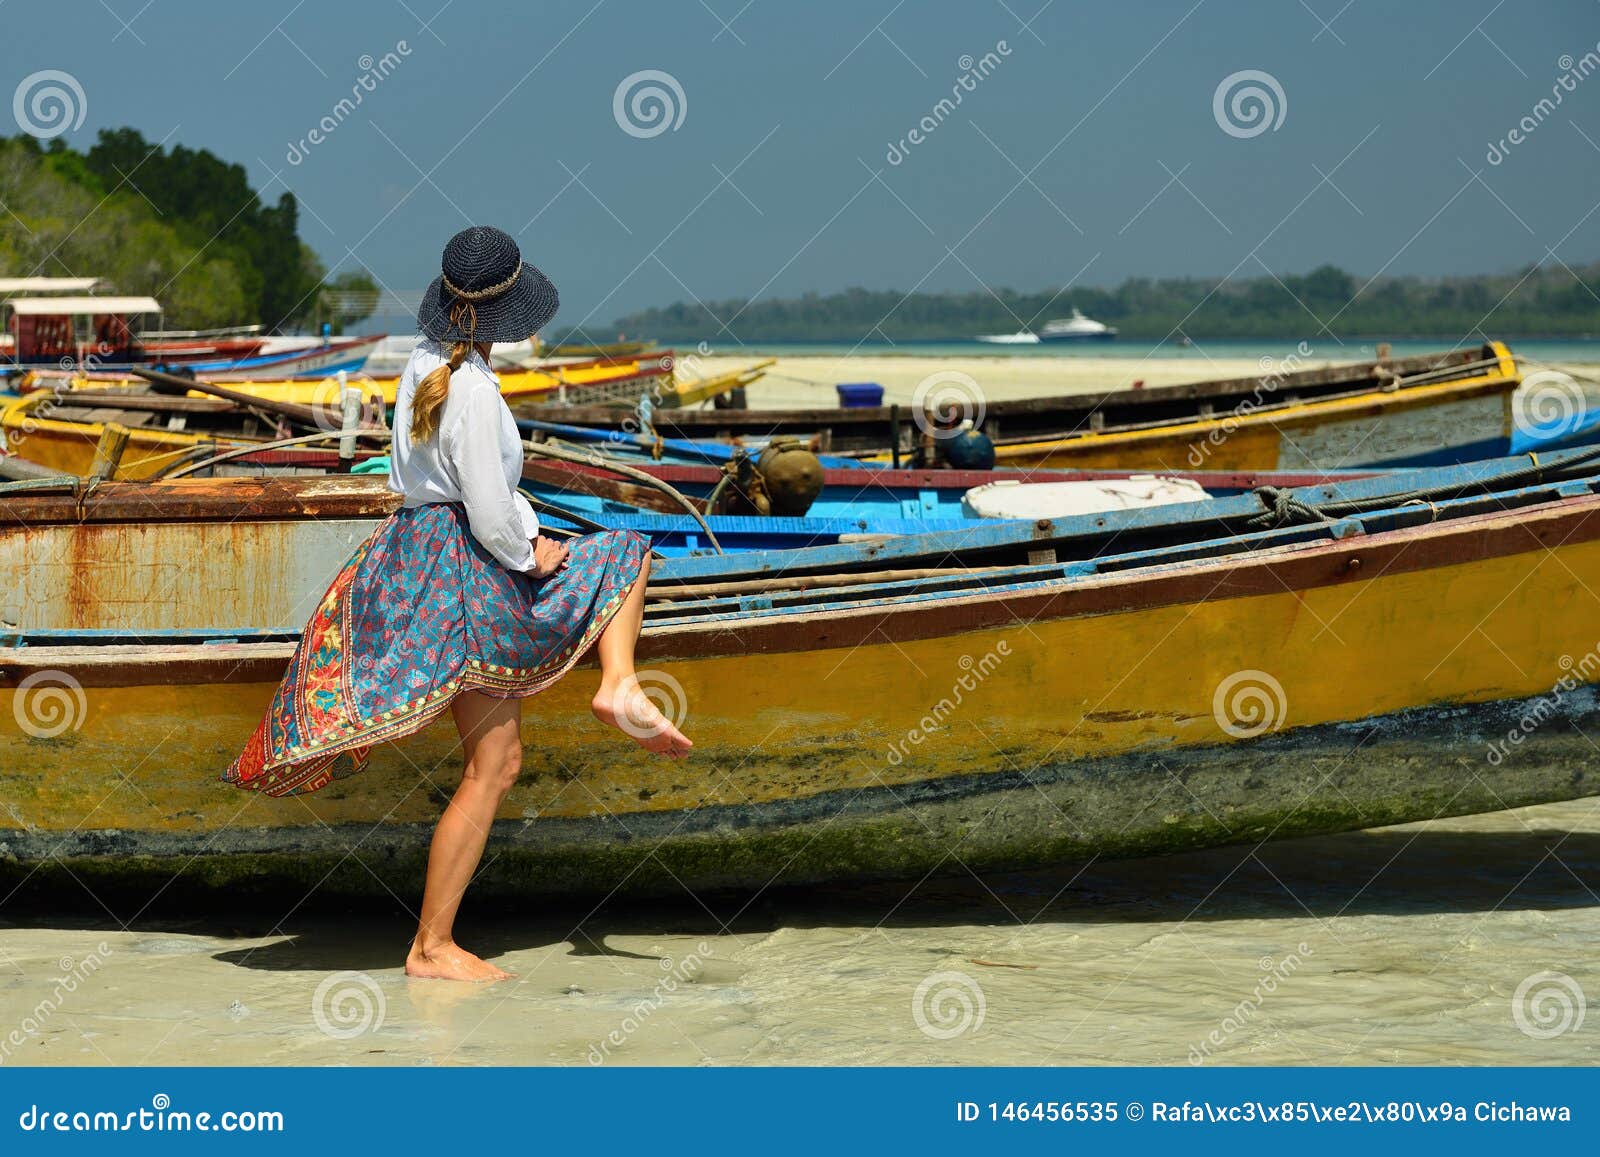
(181, 225)
(1545, 301)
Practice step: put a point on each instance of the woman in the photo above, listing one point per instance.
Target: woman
(457, 602)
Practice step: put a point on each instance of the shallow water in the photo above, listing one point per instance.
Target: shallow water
(1402, 945)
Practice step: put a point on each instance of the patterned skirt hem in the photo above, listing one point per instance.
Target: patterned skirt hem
(307, 764)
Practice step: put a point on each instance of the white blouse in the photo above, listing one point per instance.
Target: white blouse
(474, 457)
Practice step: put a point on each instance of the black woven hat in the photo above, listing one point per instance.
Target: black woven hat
(487, 292)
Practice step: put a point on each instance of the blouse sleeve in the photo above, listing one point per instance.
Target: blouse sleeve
(472, 447)
(530, 520)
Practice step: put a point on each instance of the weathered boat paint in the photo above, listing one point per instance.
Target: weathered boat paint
(1280, 386)
(1454, 421)
(885, 733)
(69, 446)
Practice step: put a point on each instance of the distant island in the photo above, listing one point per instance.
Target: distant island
(1542, 302)
(180, 225)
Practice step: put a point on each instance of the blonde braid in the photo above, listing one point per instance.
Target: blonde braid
(432, 390)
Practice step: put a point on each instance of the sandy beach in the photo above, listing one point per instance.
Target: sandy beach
(802, 381)
(807, 381)
(1369, 948)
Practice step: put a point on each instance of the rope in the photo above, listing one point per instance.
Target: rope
(253, 448)
(546, 450)
(1282, 508)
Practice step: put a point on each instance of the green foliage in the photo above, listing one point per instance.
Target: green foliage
(347, 299)
(180, 225)
(1549, 301)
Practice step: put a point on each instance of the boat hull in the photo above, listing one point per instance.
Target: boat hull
(1425, 425)
(369, 835)
(1049, 721)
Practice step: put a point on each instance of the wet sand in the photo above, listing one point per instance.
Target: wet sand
(1400, 945)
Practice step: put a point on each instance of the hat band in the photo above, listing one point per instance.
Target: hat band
(481, 294)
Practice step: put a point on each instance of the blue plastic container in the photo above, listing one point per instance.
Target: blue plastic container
(853, 395)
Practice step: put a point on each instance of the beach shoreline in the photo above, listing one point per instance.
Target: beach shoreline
(809, 381)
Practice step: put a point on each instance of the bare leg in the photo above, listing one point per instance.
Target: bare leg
(491, 737)
(620, 702)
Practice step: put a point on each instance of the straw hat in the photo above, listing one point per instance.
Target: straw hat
(486, 292)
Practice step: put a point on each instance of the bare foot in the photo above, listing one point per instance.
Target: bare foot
(450, 961)
(628, 709)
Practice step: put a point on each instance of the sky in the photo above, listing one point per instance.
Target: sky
(1090, 143)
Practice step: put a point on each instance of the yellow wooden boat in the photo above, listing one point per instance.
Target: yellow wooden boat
(33, 428)
(595, 383)
(520, 385)
(1124, 684)
(1468, 413)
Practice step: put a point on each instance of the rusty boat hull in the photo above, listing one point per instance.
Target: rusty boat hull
(1131, 683)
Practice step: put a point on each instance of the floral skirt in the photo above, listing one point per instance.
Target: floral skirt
(420, 613)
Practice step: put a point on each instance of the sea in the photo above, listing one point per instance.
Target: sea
(1562, 350)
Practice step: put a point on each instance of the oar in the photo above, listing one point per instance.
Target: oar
(293, 411)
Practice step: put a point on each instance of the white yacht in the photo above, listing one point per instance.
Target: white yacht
(1077, 328)
(1074, 328)
(1021, 337)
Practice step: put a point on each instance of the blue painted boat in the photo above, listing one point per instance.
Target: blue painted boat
(1296, 661)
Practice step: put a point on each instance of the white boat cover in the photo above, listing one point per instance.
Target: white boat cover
(1016, 499)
